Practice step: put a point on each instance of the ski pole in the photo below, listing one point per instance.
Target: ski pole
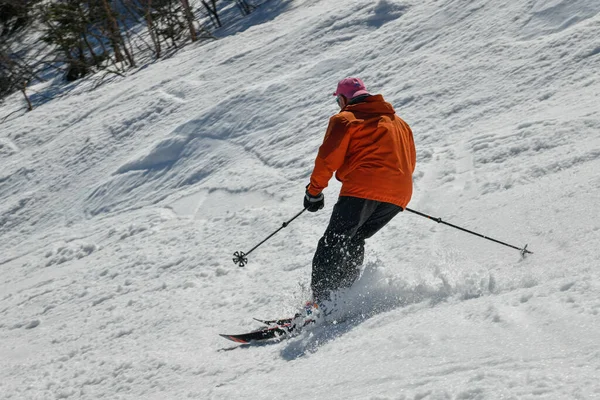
(240, 257)
(523, 250)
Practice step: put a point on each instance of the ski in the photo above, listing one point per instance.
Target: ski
(275, 329)
(282, 321)
(272, 332)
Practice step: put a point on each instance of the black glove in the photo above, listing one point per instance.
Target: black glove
(314, 203)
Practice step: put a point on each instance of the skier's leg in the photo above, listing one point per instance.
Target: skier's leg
(383, 214)
(353, 260)
(355, 249)
(332, 268)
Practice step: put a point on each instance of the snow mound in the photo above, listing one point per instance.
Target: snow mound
(163, 154)
(551, 16)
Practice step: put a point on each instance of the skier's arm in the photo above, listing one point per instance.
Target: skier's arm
(331, 154)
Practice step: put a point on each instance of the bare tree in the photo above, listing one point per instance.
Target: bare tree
(15, 75)
(151, 28)
(211, 7)
(91, 35)
(189, 16)
(114, 33)
(245, 7)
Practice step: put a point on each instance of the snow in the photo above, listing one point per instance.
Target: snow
(121, 208)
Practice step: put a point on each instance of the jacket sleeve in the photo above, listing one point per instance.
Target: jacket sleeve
(331, 154)
(412, 150)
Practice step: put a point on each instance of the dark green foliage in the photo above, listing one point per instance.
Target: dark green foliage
(86, 32)
(14, 15)
(81, 37)
(15, 72)
(66, 27)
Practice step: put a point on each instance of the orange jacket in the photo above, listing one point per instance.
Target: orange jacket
(372, 150)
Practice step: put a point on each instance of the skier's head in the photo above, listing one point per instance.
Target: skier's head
(349, 88)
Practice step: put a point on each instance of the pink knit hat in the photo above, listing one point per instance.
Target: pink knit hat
(351, 87)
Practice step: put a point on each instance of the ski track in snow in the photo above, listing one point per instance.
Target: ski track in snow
(121, 208)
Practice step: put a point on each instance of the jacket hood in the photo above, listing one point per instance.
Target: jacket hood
(371, 105)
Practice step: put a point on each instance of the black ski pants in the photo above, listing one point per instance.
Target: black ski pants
(341, 250)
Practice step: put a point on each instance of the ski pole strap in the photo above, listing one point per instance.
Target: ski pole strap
(440, 221)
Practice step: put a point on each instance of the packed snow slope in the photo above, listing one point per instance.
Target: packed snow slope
(121, 208)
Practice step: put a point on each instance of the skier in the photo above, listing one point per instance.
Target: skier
(372, 152)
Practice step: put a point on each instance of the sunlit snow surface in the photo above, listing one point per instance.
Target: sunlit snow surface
(121, 208)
